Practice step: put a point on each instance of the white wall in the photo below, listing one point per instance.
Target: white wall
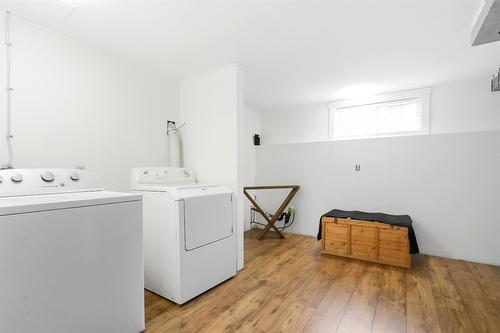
(460, 106)
(448, 183)
(302, 124)
(251, 127)
(208, 104)
(464, 106)
(75, 105)
(211, 105)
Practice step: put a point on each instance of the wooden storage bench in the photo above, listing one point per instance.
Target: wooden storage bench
(365, 240)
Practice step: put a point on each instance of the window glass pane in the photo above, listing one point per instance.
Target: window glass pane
(378, 119)
(355, 121)
(402, 117)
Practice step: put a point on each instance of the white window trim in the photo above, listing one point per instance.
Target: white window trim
(423, 94)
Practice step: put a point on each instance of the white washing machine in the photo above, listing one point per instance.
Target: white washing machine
(71, 256)
(189, 232)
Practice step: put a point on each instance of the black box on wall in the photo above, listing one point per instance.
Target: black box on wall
(256, 140)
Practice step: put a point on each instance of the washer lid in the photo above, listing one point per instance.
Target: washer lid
(195, 191)
(38, 203)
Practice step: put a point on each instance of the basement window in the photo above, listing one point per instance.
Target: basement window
(399, 114)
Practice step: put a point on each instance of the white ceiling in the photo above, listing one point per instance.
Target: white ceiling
(295, 52)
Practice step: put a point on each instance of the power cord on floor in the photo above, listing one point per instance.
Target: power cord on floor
(286, 223)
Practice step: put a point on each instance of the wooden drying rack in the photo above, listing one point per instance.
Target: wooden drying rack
(271, 221)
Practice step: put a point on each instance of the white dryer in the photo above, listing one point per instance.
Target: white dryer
(71, 257)
(189, 232)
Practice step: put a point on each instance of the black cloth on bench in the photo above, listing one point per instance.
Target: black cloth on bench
(397, 220)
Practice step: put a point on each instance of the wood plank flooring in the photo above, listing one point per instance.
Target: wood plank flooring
(288, 286)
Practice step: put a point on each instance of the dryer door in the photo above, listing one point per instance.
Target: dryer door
(207, 219)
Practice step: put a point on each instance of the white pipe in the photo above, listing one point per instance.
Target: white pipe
(9, 135)
(174, 144)
(175, 156)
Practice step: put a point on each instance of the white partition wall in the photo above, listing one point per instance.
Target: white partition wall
(448, 183)
(251, 126)
(211, 105)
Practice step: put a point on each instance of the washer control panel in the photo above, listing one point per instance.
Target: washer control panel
(157, 176)
(18, 182)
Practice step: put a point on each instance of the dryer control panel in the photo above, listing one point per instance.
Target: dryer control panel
(19, 182)
(161, 176)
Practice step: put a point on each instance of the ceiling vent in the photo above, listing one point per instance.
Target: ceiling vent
(487, 27)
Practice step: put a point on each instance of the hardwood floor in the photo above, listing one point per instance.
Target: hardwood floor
(288, 286)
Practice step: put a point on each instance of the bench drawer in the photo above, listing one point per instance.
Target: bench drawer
(366, 232)
(336, 246)
(394, 245)
(397, 235)
(364, 251)
(336, 231)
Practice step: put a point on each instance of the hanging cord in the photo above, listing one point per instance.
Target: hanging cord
(174, 128)
(9, 135)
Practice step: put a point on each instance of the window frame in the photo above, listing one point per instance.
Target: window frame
(423, 95)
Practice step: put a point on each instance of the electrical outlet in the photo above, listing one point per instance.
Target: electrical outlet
(357, 167)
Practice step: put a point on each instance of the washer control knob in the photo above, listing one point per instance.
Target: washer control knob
(1, 179)
(16, 178)
(74, 177)
(48, 176)
(185, 173)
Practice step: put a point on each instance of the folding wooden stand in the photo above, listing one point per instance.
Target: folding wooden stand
(272, 221)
